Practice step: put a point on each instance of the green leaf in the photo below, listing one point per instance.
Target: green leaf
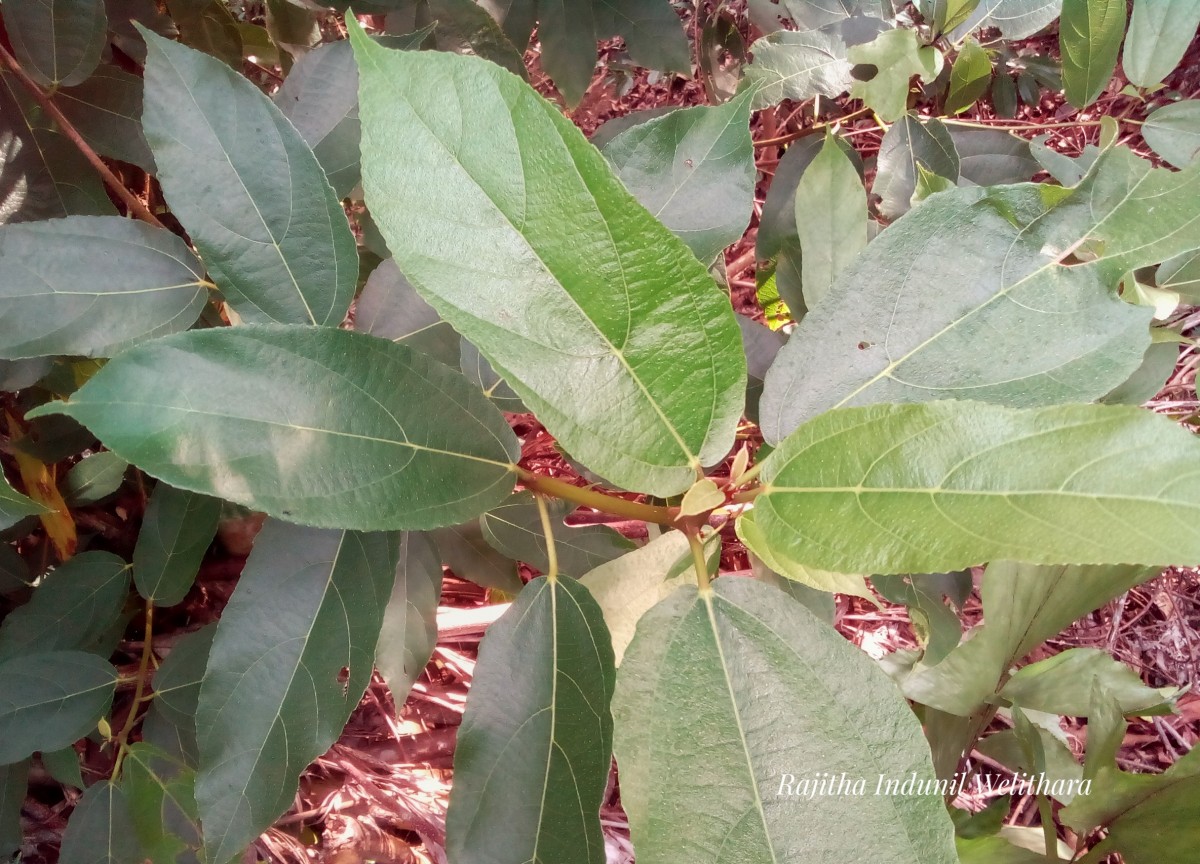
(797, 66)
(275, 698)
(1015, 19)
(162, 802)
(51, 699)
(896, 56)
(73, 608)
(694, 170)
(1173, 132)
(464, 550)
(628, 587)
(177, 688)
(975, 294)
(516, 18)
(945, 15)
(1157, 365)
(91, 285)
(937, 625)
(58, 43)
(992, 157)
(176, 531)
(831, 218)
(995, 850)
(273, 425)
(18, 374)
(1089, 39)
(761, 345)
(94, 478)
(1057, 759)
(726, 696)
(567, 32)
(462, 228)
(409, 632)
(100, 830)
(1182, 275)
(292, 27)
(208, 26)
(969, 77)
(13, 788)
(651, 30)
(466, 28)
(778, 235)
(479, 371)
(1062, 684)
(14, 506)
(515, 529)
(390, 308)
(1159, 34)
(1004, 94)
(123, 15)
(535, 745)
(106, 110)
(774, 558)
(910, 142)
(251, 194)
(63, 766)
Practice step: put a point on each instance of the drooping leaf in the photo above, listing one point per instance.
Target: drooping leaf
(106, 110)
(176, 532)
(694, 170)
(162, 803)
(51, 699)
(58, 43)
(1089, 38)
(276, 697)
(100, 830)
(989, 157)
(272, 425)
(895, 57)
(651, 30)
(208, 26)
(535, 744)
(515, 529)
(63, 766)
(1173, 132)
(409, 632)
(14, 506)
(831, 219)
(73, 608)
(94, 478)
(91, 285)
(13, 788)
(1057, 760)
(724, 698)
(469, 556)
(797, 66)
(933, 294)
(526, 226)
(390, 308)
(909, 143)
(251, 194)
(1015, 19)
(937, 625)
(466, 28)
(1062, 684)
(969, 77)
(1159, 34)
(567, 31)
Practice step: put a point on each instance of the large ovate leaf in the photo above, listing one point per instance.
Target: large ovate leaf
(908, 146)
(727, 698)
(1003, 294)
(895, 56)
(1159, 34)
(176, 532)
(52, 699)
(1089, 39)
(797, 66)
(312, 424)
(945, 485)
(91, 285)
(579, 299)
(535, 744)
(106, 110)
(694, 170)
(409, 631)
(831, 219)
(292, 655)
(100, 830)
(515, 529)
(1173, 132)
(249, 191)
(58, 42)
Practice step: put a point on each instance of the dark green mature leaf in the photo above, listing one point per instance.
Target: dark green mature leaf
(479, 372)
(945, 485)
(176, 532)
(990, 157)
(18, 374)
(937, 625)
(94, 478)
(63, 766)
(778, 235)
(535, 745)
(1089, 39)
(549, 267)
(292, 27)
(1062, 684)
(58, 42)
(251, 194)
(208, 26)
(694, 170)
(73, 608)
(1157, 365)
(761, 345)
(14, 506)
(1173, 132)
(1015, 19)
(976, 294)
(727, 698)
(469, 556)
(100, 830)
(177, 691)
(1159, 34)
(567, 34)
(651, 30)
(91, 285)
(409, 632)
(122, 15)
(275, 698)
(51, 699)
(312, 424)
(516, 18)
(909, 143)
(1182, 275)
(466, 28)
(162, 803)
(515, 529)
(13, 788)
(610, 129)
(896, 56)
(969, 77)
(831, 219)
(798, 66)
(106, 110)
(390, 308)
(945, 15)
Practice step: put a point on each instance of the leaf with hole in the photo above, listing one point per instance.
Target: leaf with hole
(891, 60)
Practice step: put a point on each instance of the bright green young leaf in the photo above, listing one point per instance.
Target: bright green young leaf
(208, 26)
(1002, 294)
(908, 143)
(250, 193)
(312, 424)
(14, 506)
(176, 532)
(727, 698)
(1159, 34)
(13, 789)
(409, 632)
(469, 556)
(52, 699)
(896, 56)
(94, 478)
(535, 744)
(58, 42)
(831, 219)
(91, 285)
(275, 698)
(162, 802)
(1089, 38)
(100, 830)
(694, 170)
(992, 157)
(74, 608)
(564, 283)
(515, 529)
(969, 77)
(928, 184)
(945, 485)
(1173, 132)
(1062, 684)
(1015, 19)
(390, 308)
(797, 66)
(702, 496)
(106, 110)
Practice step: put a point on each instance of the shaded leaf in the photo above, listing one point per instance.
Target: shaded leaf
(567, 32)
(797, 66)
(51, 699)
(908, 143)
(465, 551)
(992, 157)
(409, 632)
(176, 531)
(58, 43)
(466, 28)
(14, 506)
(162, 803)
(652, 32)
(1182, 275)
(13, 788)
(969, 77)
(177, 690)
(831, 219)
(1089, 38)
(1062, 684)
(94, 478)
(936, 624)
(761, 344)
(106, 110)
(1173, 132)
(1015, 19)
(122, 15)
(63, 766)
(1149, 378)
(1057, 759)
(1159, 34)
(479, 371)
(515, 529)
(100, 830)
(390, 308)
(18, 374)
(208, 26)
